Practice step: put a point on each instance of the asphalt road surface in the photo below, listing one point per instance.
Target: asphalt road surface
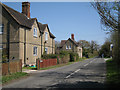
(89, 73)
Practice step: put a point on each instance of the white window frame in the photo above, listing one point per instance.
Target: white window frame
(35, 51)
(1, 27)
(35, 32)
(67, 47)
(46, 36)
(46, 50)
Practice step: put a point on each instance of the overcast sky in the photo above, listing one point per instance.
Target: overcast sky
(63, 19)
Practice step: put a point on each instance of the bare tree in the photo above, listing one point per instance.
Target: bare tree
(93, 46)
(110, 19)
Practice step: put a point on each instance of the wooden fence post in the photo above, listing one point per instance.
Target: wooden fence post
(38, 64)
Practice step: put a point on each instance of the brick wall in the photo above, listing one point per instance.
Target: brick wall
(12, 67)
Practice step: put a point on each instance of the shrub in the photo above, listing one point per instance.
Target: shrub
(49, 56)
(73, 56)
(77, 56)
(63, 53)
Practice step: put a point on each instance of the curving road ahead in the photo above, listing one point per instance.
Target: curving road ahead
(89, 73)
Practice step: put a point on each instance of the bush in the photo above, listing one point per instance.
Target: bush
(73, 56)
(63, 53)
(77, 56)
(49, 56)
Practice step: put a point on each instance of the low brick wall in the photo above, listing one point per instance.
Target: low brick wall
(46, 63)
(11, 67)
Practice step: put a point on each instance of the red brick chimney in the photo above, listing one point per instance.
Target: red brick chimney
(72, 36)
(26, 8)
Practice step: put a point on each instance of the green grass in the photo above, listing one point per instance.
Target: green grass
(32, 68)
(13, 76)
(113, 74)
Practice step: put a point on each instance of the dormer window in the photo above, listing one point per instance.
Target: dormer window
(35, 32)
(46, 36)
(1, 28)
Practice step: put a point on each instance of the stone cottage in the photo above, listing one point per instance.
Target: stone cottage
(70, 45)
(24, 37)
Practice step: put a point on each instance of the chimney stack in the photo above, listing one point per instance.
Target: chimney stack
(26, 8)
(72, 36)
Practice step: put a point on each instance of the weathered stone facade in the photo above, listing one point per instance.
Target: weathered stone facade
(70, 45)
(19, 41)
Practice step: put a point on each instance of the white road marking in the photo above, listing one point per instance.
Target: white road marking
(77, 70)
(72, 73)
(68, 76)
(91, 61)
(85, 65)
(54, 83)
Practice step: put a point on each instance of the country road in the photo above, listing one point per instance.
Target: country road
(89, 73)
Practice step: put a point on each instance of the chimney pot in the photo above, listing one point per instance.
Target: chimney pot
(72, 36)
(26, 8)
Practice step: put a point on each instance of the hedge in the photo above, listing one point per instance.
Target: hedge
(48, 56)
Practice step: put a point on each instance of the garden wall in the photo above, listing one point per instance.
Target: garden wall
(11, 67)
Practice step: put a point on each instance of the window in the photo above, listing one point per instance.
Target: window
(35, 32)
(1, 47)
(70, 46)
(34, 51)
(1, 28)
(46, 50)
(46, 36)
(66, 46)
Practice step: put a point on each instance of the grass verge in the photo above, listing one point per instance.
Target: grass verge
(13, 76)
(59, 65)
(113, 74)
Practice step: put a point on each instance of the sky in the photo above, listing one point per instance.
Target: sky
(65, 18)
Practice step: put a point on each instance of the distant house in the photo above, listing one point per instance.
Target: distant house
(70, 45)
(24, 37)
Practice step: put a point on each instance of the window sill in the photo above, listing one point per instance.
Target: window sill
(1, 33)
(35, 36)
(34, 55)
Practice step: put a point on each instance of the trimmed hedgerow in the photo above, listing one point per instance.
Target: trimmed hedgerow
(48, 56)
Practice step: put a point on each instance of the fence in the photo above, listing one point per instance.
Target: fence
(45, 63)
(12, 66)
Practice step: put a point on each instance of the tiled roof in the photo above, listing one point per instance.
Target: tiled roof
(42, 29)
(19, 17)
(64, 41)
(73, 41)
(23, 20)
